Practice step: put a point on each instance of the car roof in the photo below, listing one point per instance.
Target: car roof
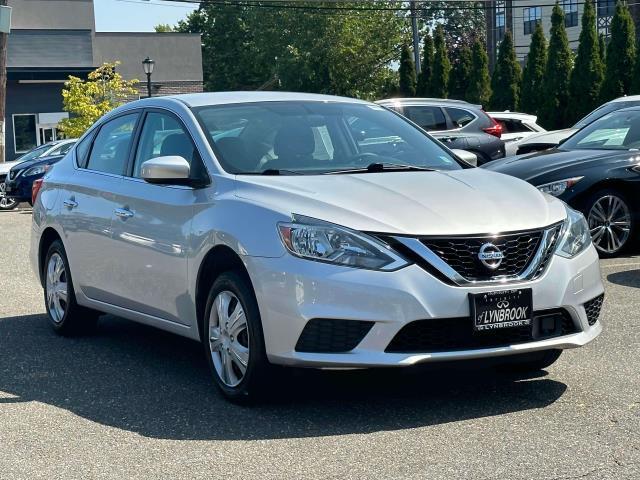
(514, 115)
(225, 98)
(634, 108)
(428, 101)
(630, 98)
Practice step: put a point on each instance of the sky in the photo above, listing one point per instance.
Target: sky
(137, 15)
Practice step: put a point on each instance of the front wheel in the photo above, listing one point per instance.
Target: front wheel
(6, 203)
(234, 345)
(611, 222)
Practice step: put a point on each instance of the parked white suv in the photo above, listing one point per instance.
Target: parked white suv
(307, 230)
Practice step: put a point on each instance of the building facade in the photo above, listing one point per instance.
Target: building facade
(521, 16)
(52, 39)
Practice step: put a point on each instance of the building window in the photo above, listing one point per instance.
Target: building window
(24, 132)
(500, 20)
(570, 8)
(606, 8)
(531, 16)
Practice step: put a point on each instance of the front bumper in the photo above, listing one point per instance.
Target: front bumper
(20, 188)
(292, 291)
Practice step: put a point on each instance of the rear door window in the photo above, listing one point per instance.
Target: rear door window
(460, 117)
(428, 117)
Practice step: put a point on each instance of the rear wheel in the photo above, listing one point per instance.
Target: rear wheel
(65, 315)
(6, 203)
(531, 362)
(610, 221)
(234, 345)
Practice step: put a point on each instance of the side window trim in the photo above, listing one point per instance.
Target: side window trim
(97, 131)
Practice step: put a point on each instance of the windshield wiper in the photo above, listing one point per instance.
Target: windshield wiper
(384, 167)
(276, 171)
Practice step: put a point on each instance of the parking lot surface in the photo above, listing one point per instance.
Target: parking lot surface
(134, 402)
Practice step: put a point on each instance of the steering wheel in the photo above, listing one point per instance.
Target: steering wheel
(365, 157)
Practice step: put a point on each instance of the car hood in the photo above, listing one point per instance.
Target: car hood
(554, 161)
(552, 137)
(37, 161)
(6, 166)
(410, 203)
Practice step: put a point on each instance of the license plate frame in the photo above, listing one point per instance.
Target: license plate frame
(497, 310)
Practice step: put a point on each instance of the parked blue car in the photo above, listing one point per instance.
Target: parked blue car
(21, 176)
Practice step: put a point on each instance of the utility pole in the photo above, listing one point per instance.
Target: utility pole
(3, 86)
(416, 36)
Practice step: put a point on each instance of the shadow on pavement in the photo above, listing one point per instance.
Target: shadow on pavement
(144, 380)
(628, 278)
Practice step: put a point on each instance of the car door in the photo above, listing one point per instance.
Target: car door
(88, 202)
(152, 227)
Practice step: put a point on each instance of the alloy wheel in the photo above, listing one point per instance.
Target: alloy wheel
(229, 338)
(6, 203)
(56, 284)
(610, 224)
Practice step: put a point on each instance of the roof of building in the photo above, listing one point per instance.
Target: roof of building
(50, 48)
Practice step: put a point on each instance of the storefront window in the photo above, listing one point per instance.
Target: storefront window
(24, 132)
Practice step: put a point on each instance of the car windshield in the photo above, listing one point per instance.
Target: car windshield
(600, 112)
(616, 131)
(35, 153)
(317, 137)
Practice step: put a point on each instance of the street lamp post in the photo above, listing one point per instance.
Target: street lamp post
(148, 65)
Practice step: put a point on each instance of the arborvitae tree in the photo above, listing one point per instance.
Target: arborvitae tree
(602, 50)
(505, 82)
(621, 55)
(441, 66)
(588, 71)
(557, 73)
(459, 78)
(479, 90)
(635, 83)
(407, 73)
(426, 67)
(532, 92)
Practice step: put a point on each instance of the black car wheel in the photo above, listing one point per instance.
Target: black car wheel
(611, 222)
(6, 203)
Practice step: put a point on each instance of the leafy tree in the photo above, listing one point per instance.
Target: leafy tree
(87, 101)
(460, 71)
(558, 71)
(407, 73)
(163, 28)
(246, 47)
(463, 22)
(505, 82)
(479, 90)
(426, 67)
(438, 86)
(621, 53)
(588, 71)
(532, 90)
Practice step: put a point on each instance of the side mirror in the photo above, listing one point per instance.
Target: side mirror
(469, 157)
(170, 170)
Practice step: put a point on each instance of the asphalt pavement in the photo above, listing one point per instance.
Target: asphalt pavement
(134, 402)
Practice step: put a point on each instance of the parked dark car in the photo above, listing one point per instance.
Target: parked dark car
(458, 124)
(20, 179)
(596, 171)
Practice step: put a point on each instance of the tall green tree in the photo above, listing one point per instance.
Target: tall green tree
(505, 82)
(407, 73)
(588, 71)
(463, 22)
(621, 53)
(532, 90)
(460, 74)
(602, 49)
(438, 87)
(479, 90)
(558, 71)
(426, 67)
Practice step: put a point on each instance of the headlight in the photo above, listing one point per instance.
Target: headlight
(36, 170)
(325, 242)
(575, 235)
(558, 188)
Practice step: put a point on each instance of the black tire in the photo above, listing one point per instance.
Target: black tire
(75, 320)
(530, 362)
(589, 206)
(258, 369)
(6, 203)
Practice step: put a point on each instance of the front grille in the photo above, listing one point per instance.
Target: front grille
(323, 335)
(453, 334)
(519, 250)
(593, 307)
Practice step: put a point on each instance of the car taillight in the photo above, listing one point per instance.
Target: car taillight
(495, 129)
(35, 189)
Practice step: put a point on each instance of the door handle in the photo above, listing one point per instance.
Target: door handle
(70, 203)
(123, 213)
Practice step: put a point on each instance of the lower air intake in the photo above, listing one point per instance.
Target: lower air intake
(323, 335)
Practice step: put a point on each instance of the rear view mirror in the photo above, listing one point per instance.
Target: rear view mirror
(172, 170)
(469, 157)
